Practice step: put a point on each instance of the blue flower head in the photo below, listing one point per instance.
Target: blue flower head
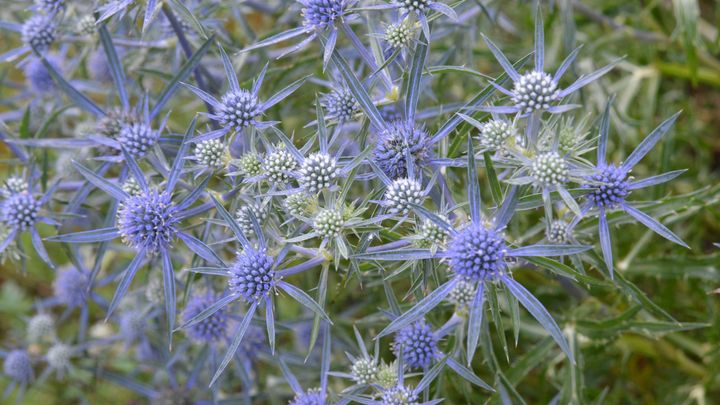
(21, 211)
(39, 32)
(37, 75)
(313, 396)
(18, 366)
(148, 221)
(399, 395)
(137, 138)
(210, 329)
(340, 104)
(71, 287)
(322, 14)
(397, 141)
(477, 253)
(418, 345)
(238, 109)
(252, 275)
(611, 186)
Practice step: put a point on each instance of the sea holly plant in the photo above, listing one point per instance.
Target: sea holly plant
(253, 277)
(21, 210)
(148, 222)
(321, 171)
(536, 91)
(477, 252)
(610, 185)
(239, 108)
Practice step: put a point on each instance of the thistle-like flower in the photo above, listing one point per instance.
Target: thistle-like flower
(37, 75)
(477, 253)
(398, 141)
(253, 277)
(320, 18)
(40, 328)
(536, 90)
(318, 172)
(279, 165)
(364, 371)
(239, 108)
(211, 155)
(71, 287)
(39, 32)
(21, 211)
(59, 357)
(340, 105)
(18, 366)
(418, 345)
(399, 35)
(611, 184)
(401, 194)
(148, 223)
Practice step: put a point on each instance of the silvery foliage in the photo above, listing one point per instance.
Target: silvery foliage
(251, 237)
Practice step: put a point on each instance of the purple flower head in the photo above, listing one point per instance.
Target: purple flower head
(148, 221)
(239, 108)
(39, 32)
(20, 210)
(418, 345)
(313, 396)
(399, 395)
(210, 329)
(71, 287)
(252, 275)
(37, 75)
(477, 253)
(613, 188)
(321, 14)
(138, 138)
(399, 140)
(18, 366)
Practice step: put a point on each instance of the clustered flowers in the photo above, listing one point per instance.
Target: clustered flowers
(245, 225)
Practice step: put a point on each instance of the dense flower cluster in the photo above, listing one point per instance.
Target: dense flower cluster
(266, 223)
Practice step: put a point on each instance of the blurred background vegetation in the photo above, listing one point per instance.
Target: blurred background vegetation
(658, 343)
